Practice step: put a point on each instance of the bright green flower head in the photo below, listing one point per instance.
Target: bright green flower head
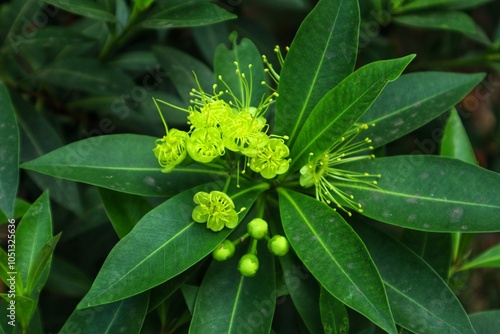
(205, 144)
(209, 111)
(271, 159)
(216, 209)
(171, 149)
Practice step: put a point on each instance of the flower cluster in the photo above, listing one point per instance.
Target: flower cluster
(257, 229)
(324, 173)
(221, 122)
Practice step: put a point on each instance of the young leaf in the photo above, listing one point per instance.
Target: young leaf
(109, 318)
(342, 106)
(488, 259)
(245, 54)
(322, 53)
(335, 255)
(442, 20)
(420, 300)
(414, 100)
(455, 142)
(429, 193)
(32, 235)
(333, 314)
(187, 14)
(228, 302)
(123, 162)
(151, 249)
(86, 8)
(123, 210)
(9, 154)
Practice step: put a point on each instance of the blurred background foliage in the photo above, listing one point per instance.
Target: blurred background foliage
(76, 69)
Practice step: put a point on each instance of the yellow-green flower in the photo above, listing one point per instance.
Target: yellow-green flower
(205, 144)
(216, 209)
(271, 159)
(210, 113)
(242, 131)
(171, 149)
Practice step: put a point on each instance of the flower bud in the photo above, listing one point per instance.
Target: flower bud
(248, 265)
(224, 251)
(278, 245)
(257, 228)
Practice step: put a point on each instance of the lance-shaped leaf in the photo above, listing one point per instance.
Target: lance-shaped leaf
(86, 8)
(164, 243)
(429, 193)
(322, 53)
(488, 259)
(455, 142)
(245, 54)
(230, 303)
(486, 322)
(420, 300)
(442, 20)
(191, 13)
(9, 154)
(123, 162)
(414, 100)
(333, 314)
(342, 106)
(110, 318)
(335, 255)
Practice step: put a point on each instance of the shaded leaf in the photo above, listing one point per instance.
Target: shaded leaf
(9, 154)
(123, 210)
(86, 8)
(20, 208)
(455, 142)
(486, 322)
(322, 53)
(333, 314)
(337, 111)
(420, 300)
(335, 255)
(191, 13)
(110, 318)
(414, 100)
(442, 20)
(123, 162)
(145, 258)
(488, 259)
(429, 193)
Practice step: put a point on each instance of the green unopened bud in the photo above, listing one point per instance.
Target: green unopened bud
(248, 265)
(224, 251)
(257, 228)
(278, 245)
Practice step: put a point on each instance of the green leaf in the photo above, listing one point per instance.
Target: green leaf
(180, 67)
(342, 106)
(304, 291)
(123, 210)
(245, 54)
(13, 26)
(420, 4)
(420, 300)
(9, 154)
(414, 100)
(67, 279)
(20, 208)
(32, 236)
(335, 255)
(486, 322)
(441, 20)
(39, 137)
(455, 142)
(466, 4)
(189, 292)
(322, 53)
(488, 259)
(209, 38)
(143, 4)
(333, 314)
(42, 264)
(85, 74)
(125, 316)
(122, 162)
(86, 8)
(429, 193)
(149, 255)
(191, 13)
(230, 303)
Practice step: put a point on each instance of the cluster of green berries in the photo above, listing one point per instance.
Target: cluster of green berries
(248, 265)
(221, 122)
